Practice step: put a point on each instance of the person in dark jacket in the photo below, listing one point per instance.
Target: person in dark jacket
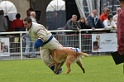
(94, 22)
(83, 23)
(3, 22)
(72, 24)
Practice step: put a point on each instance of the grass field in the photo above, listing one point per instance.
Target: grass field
(98, 69)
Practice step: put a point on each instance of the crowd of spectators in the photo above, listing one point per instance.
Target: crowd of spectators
(105, 21)
(93, 21)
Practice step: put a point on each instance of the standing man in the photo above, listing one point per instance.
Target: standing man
(44, 39)
(3, 22)
(29, 42)
(120, 29)
(33, 16)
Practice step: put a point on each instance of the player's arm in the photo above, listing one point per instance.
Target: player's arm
(41, 34)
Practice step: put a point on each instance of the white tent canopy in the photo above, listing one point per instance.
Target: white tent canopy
(9, 9)
(56, 5)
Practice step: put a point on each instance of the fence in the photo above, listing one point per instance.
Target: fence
(14, 42)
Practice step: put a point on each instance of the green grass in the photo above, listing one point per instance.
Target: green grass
(98, 69)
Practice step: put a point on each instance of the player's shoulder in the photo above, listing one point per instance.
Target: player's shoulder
(36, 25)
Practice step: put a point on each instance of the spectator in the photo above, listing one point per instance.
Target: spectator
(115, 17)
(28, 11)
(3, 22)
(94, 21)
(109, 23)
(105, 14)
(9, 22)
(72, 24)
(29, 42)
(17, 24)
(33, 16)
(83, 23)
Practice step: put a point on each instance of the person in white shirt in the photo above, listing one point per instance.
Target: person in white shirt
(109, 23)
(33, 16)
(115, 17)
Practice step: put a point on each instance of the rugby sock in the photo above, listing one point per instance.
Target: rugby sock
(52, 68)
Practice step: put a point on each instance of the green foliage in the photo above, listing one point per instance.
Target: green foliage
(98, 69)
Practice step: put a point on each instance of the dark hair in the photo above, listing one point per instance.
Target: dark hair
(31, 9)
(85, 21)
(28, 19)
(109, 17)
(28, 11)
(18, 15)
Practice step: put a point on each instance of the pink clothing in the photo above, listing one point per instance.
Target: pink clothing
(120, 31)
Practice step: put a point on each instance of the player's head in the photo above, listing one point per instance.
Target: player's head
(27, 22)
